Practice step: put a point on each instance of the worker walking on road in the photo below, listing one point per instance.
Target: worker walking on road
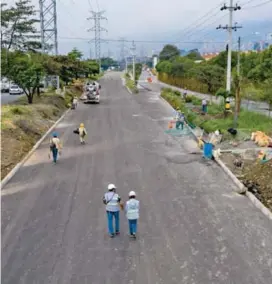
(112, 201)
(132, 213)
(82, 133)
(55, 147)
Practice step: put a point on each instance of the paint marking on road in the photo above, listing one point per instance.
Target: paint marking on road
(135, 115)
(64, 124)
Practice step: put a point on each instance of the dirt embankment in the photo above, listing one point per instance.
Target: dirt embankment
(255, 175)
(23, 125)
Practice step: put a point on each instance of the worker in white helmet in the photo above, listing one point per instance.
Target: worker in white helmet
(112, 200)
(132, 213)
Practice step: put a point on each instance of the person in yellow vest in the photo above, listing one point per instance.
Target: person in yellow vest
(227, 105)
(82, 133)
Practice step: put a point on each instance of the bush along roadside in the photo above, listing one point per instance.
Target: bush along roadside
(215, 118)
(24, 124)
(130, 84)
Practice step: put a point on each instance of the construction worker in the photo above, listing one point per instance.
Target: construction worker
(55, 147)
(74, 103)
(112, 200)
(132, 213)
(82, 133)
(180, 120)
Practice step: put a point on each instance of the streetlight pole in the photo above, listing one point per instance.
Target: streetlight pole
(133, 61)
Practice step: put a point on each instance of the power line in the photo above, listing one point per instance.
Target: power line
(139, 41)
(98, 9)
(90, 4)
(193, 23)
(259, 5)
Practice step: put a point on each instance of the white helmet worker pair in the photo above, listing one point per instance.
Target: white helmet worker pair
(111, 187)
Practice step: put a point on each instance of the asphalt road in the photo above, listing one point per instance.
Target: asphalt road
(7, 98)
(193, 228)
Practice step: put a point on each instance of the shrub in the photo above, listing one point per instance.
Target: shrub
(177, 93)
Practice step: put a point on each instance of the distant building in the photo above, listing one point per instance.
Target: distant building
(209, 56)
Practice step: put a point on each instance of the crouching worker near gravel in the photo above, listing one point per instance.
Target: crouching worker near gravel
(112, 200)
(132, 213)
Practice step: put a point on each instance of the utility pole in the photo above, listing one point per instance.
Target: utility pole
(238, 57)
(133, 61)
(237, 94)
(122, 51)
(229, 28)
(49, 31)
(97, 29)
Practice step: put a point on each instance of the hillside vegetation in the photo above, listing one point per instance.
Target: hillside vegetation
(255, 81)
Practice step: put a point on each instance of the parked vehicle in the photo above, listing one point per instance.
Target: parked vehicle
(15, 90)
(4, 87)
(93, 95)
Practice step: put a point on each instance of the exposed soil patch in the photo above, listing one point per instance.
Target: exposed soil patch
(256, 176)
(23, 125)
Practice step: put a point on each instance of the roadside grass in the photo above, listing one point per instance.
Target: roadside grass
(22, 124)
(247, 122)
(130, 84)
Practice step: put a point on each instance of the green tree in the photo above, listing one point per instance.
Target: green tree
(194, 55)
(169, 52)
(26, 71)
(267, 94)
(221, 60)
(164, 67)
(107, 62)
(18, 29)
(212, 76)
(75, 54)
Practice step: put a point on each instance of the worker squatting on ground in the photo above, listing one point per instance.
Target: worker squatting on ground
(132, 213)
(113, 205)
(180, 120)
(82, 132)
(55, 147)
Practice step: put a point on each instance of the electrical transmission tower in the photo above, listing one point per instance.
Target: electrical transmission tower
(49, 32)
(122, 49)
(97, 29)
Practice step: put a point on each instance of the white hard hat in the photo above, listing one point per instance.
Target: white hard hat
(132, 193)
(111, 186)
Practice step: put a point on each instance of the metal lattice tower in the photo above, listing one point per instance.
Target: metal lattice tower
(97, 29)
(122, 49)
(49, 32)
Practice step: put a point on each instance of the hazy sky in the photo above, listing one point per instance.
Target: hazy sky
(149, 19)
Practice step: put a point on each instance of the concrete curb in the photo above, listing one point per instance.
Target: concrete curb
(259, 204)
(128, 90)
(241, 189)
(20, 164)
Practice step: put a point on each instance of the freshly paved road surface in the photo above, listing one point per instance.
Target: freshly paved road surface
(193, 228)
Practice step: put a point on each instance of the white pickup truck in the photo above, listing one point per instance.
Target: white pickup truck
(93, 93)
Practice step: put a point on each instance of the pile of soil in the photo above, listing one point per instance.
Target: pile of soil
(257, 177)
